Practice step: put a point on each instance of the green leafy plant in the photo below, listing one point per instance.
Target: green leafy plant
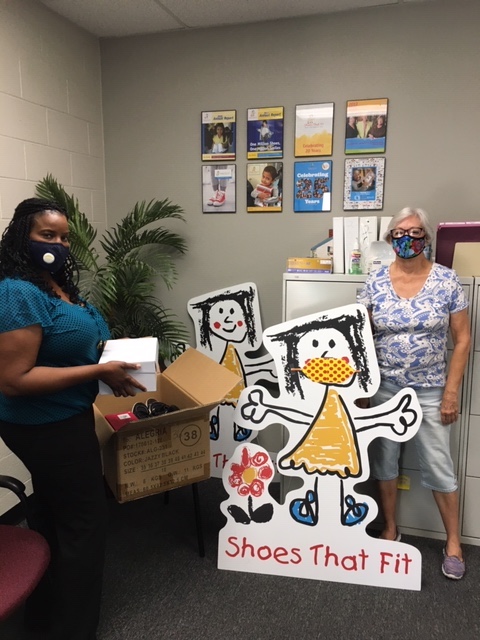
(121, 281)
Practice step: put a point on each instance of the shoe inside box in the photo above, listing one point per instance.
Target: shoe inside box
(193, 382)
(119, 420)
(167, 392)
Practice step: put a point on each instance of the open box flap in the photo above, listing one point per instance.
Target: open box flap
(103, 429)
(206, 381)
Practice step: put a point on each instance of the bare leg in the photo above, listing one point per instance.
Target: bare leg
(388, 502)
(447, 504)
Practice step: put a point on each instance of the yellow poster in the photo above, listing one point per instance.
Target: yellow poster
(314, 129)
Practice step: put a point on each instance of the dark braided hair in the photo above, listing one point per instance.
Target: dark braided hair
(15, 260)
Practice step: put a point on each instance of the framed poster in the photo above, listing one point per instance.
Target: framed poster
(265, 133)
(219, 188)
(366, 126)
(219, 133)
(264, 187)
(313, 186)
(314, 129)
(364, 182)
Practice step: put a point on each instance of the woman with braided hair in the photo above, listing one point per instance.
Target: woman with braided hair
(50, 344)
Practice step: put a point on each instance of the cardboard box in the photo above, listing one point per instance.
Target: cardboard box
(143, 351)
(303, 264)
(327, 269)
(169, 451)
(466, 258)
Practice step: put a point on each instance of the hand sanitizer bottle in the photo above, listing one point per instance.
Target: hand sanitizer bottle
(355, 267)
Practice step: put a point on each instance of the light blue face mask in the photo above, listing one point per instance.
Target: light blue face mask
(49, 256)
(407, 247)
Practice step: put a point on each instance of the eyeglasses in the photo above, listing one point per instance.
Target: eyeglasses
(414, 232)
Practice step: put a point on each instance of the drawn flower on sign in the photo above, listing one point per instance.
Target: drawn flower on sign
(250, 475)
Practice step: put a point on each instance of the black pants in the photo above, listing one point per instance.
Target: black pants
(64, 461)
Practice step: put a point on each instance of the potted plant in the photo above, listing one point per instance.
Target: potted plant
(121, 280)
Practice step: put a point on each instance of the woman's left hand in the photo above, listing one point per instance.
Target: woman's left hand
(449, 407)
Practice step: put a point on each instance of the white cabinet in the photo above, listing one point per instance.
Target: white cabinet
(309, 293)
(417, 511)
(470, 516)
(470, 511)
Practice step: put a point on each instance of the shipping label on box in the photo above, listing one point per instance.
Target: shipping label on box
(155, 460)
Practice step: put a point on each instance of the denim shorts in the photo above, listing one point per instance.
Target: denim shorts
(432, 443)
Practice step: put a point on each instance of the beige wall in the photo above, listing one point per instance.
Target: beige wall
(50, 108)
(424, 57)
(50, 122)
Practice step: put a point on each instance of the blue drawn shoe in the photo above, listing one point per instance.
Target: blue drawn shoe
(214, 428)
(305, 510)
(240, 434)
(355, 511)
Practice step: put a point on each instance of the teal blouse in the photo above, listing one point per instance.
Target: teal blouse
(72, 336)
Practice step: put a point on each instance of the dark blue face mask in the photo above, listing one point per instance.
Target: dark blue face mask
(50, 256)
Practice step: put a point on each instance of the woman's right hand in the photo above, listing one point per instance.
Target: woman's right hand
(116, 375)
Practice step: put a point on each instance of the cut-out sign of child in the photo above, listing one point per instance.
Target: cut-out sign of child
(228, 329)
(326, 362)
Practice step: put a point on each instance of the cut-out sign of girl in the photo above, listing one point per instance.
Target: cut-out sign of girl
(228, 330)
(327, 362)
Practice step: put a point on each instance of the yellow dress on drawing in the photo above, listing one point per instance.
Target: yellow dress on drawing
(329, 446)
(232, 362)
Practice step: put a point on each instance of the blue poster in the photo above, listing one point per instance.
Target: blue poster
(313, 186)
(265, 133)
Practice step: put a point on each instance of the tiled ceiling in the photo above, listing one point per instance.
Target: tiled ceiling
(115, 18)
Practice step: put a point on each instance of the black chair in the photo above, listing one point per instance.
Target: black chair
(24, 555)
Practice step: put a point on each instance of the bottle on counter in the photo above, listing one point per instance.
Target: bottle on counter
(379, 253)
(355, 267)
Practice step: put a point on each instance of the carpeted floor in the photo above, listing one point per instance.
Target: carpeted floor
(157, 587)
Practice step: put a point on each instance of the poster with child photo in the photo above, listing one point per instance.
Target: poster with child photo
(265, 133)
(219, 135)
(264, 187)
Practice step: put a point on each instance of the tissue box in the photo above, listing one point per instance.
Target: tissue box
(143, 351)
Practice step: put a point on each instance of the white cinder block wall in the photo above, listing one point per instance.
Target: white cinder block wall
(50, 122)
